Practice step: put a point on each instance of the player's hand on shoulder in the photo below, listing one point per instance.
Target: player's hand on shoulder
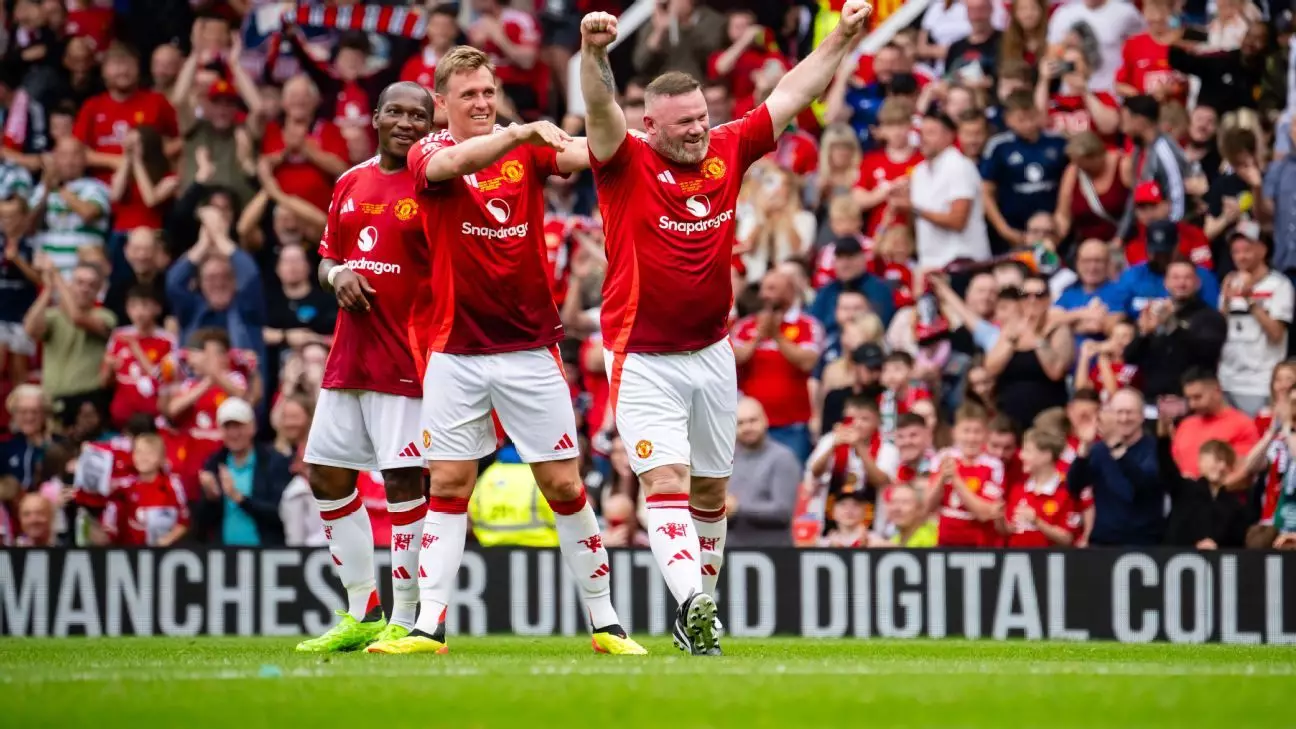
(598, 30)
(352, 291)
(545, 133)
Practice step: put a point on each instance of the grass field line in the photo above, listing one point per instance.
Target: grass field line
(160, 671)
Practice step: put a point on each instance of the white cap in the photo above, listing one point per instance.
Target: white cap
(235, 410)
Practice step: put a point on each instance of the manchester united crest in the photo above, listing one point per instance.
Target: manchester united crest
(512, 171)
(713, 168)
(427, 439)
(643, 448)
(1050, 507)
(973, 484)
(406, 208)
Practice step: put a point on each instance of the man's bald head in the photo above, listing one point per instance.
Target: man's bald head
(752, 423)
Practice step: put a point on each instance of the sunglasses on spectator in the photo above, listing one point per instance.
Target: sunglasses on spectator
(1032, 294)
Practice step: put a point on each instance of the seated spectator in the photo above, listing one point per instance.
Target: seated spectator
(75, 334)
(944, 195)
(849, 515)
(1040, 511)
(1211, 419)
(242, 484)
(850, 266)
(1203, 513)
(73, 208)
(1175, 334)
(763, 495)
(1150, 206)
(1258, 303)
(19, 281)
(148, 509)
(966, 489)
(145, 262)
(1094, 192)
(776, 351)
(1124, 471)
(22, 453)
(229, 293)
(132, 363)
(35, 522)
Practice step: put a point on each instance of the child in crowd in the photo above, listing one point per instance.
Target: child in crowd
(134, 357)
(149, 509)
(1040, 511)
(967, 488)
(901, 392)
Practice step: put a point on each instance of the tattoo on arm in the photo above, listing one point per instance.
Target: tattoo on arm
(605, 72)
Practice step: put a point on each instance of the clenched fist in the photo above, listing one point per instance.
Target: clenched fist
(853, 15)
(598, 30)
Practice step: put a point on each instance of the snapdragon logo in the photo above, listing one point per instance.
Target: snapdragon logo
(373, 266)
(513, 231)
(689, 228)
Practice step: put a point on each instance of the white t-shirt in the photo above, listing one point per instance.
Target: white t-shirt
(1112, 22)
(1248, 359)
(933, 187)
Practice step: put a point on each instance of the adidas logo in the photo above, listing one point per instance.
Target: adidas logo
(666, 178)
(348, 207)
(564, 443)
(680, 555)
(602, 571)
(709, 569)
(421, 572)
(410, 451)
(400, 573)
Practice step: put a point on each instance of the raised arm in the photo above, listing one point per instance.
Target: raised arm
(476, 154)
(605, 123)
(810, 78)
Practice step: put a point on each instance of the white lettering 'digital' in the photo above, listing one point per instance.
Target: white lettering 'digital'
(689, 228)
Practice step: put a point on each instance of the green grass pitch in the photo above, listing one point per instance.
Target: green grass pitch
(559, 682)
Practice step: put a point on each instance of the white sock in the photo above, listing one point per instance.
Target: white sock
(674, 542)
(712, 526)
(444, 532)
(350, 539)
(407, 531)
(582, 548)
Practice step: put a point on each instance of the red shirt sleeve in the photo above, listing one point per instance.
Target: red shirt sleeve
(330, 247)
(417, 160)
(755, 136)
(545, 160)
(1126, 73)
(712, 73)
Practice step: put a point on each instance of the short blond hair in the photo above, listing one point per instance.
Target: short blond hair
(460, 59)
(671, 83)
(26, 390)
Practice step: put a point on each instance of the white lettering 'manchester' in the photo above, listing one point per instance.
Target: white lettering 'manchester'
(690, 227)
(513, 231)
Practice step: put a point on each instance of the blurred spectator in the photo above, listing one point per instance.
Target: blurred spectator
(1203, 514)
(1031, 360)
(973, 132)
(242, 484)
(79, 81)
(1156, 158)
(1101, 365)
(1149, 281)
(143, 185)
(145, 262)
(1124, 471)
(1279, 206)
(849, 514)
(75, 336)
(1039, 511)
(776, 350)
(776, 227)
(854, 455)
(19, 282)
(1175, 334)
(72, 207)
(298, 311)
(1095, 190)
(291, 419)
(506, 509)
(1258, 303)
(887, 166)
(147, 509)
(865, 364)
(133, 361)
(1082, 305)
(1025, 41)
(228, 294)
(966, 489)
(22, 454)
(106, 119)
(305, 152)
(1229, 78)
(751, 47)
(1151, 206)
(850, 267)
(944, 193)
(511, 38)
(1238, 181)
(971, 57)
(217, 151)
(442, 32)
(35, 522)
(1111, 20)
(766, 474)
(1145, 58)
(838, 171)
(1021, 171)
(681, 36)
(300, 515)
(913, 530)
(1070, 89)
(1211, 419)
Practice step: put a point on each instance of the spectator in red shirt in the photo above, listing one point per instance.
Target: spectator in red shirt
(144, 184)
(149, 509)
(1063, 93)
(133, 360)
(442, 31)
(306, 153)
(776, 349)
(1145, 59)
(1039, 511)
(1102, 365)
(748, 52)
(1150, 206)
(512, 40)
(1211, 419)
(106, 119)
(881, 168)
(967, 487)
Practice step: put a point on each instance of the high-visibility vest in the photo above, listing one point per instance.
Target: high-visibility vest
(508, 510)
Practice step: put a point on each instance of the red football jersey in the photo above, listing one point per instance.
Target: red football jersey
(522, 30)
(1127, 375)
(877, 168)
(421, 67)
(1145, 65)
(670, 238)
(983, 476)
(1192, 243)
(374, 229)
(1069, 116)
(486, 233)
(296, 175)
(103, 121)
(1053, 504)
(901, 278)
(140, 513)
(781, 387)
(138, 382)
(559, 248)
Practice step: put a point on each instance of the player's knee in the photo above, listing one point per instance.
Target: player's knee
(329, 483)
(451, 480)
(403, 484)
(671, 479)
(558, 480)
(708, 493)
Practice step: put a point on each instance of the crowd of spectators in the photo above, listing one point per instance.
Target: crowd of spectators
(1023, 277)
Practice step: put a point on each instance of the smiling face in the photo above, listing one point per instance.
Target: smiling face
(404, 117)
(469, 102)
(678, 126)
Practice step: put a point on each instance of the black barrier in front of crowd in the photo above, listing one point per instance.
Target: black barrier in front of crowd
(1128, 596)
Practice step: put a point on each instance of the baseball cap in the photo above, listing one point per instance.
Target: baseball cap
(221, 89)
(852, 491)
(869, 355)
(1147, 193)
(1246, 229)
(1162, 236)
(235, 410)
(847, 245)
